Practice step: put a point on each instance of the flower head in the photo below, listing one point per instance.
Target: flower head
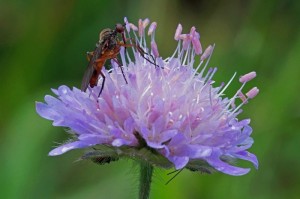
(170, 113)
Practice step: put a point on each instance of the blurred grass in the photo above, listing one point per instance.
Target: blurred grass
(43, 45)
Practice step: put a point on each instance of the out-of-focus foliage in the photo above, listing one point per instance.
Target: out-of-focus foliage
(43, 45)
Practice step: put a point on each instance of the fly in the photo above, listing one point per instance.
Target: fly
(108, 47)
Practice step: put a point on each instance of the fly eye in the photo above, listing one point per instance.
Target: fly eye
(120, 28)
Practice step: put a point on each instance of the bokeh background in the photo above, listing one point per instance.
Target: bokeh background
(43, 45)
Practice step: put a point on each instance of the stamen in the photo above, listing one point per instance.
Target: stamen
(206, 64)
(136, 40)
(186, 41)
(236, 111)
(192, 31)
(195, 38)
(146, 22)
(176, 50)
(122, 53)
(152, 28)
(232, 103)
(206, 53)
(242, 97)
(186, 54)
(247, 77)
(210, 70)
(213, 72)
(237, 93)
(142, 25)
(133, 27)
(226, 86)
(197, 45)
(199, 65)
(141, 28)
(127, 25)
(154, 49)
(178, 32)
(252, 93)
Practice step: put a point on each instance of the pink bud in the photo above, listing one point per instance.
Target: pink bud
(192, 31)
(197, 45)
(207, 53)
(133, 27)
(146, 22)
(247, 77)
(178, 32)
(141, 27)
(152, 28)
(126, 24)
(195, 40)
(253, 92)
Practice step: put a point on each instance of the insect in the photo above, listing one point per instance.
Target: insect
(108, 47)
(102, 155)
(104, 160)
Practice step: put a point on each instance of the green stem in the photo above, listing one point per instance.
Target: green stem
(146, 172)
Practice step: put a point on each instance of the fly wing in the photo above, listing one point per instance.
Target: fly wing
(87, 76)
(90, 69)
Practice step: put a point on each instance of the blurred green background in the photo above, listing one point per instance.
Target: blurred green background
(43, 45)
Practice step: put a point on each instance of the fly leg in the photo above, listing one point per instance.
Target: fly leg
(121, 67)
(103, 82)
(98, 67)
(141, 51)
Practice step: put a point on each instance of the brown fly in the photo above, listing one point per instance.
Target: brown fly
(108, 47)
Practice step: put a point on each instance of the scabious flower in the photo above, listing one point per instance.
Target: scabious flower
(170, 113)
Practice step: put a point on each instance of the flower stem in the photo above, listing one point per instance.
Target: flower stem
(146, 171)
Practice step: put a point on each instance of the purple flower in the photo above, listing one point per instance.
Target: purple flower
(170, 113)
